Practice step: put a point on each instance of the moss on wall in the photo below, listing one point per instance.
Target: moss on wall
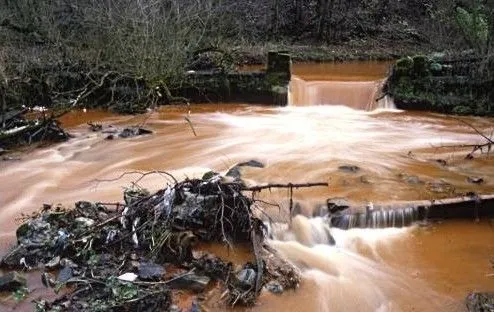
(421, 83)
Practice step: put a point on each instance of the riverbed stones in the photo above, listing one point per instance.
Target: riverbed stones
(475, 180)
(349, 168)
(480, 302)
(12, 281)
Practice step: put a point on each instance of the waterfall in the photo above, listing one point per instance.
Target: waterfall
(360, 95)
(378, 219)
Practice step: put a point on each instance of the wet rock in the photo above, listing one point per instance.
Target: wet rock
(410, 179)
(442, 162)
(150, 271)
(274, 287)
(133, 131)
(134, 194)
(34, 232)
(14, 257)
(65, 274)
(209, 175)
(48, 280)
(12, 281)
(193, 282)
(234, 172)
(85, 221)
(95, 127)
(349, 168)
(413, 180)
(365, 179)
(251, 163)
(475, 180)
(336, 205)
(53, 263)
(175, 308)
(68, 263)
(440, 187)
(247, 278)
(480, 302)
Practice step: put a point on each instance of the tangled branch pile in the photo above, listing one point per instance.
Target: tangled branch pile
(16, 129)
(122, 259)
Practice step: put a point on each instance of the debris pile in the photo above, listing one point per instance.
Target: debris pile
(131, 256)
(17, 130)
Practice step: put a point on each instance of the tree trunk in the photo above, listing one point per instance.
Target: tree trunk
(275, 20)
(4, 104)
(299, 15)
(323, 17)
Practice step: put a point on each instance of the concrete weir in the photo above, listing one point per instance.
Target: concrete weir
(406, 213)
(268, 86)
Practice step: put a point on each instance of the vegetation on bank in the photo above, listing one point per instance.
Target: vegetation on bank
(454, 86)
(462, 85)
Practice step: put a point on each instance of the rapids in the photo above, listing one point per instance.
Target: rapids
(334, 120)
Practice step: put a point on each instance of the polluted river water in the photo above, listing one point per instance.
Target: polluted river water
(334, 120)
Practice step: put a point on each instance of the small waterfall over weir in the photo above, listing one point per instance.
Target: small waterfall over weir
(317, 230)
(379, 219)
(360, 95)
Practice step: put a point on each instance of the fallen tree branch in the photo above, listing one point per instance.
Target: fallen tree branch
(288, 186)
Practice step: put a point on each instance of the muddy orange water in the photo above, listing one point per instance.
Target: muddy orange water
(334, 120)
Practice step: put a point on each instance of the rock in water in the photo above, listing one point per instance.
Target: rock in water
(335, 205)
(150, 271)
(274, 287)
(349, 168)
(12, 281)
(65, 274)
(234, 172)
(480, 302)
(247, 277)
(475, 180)
(251, 163)
(192, 282)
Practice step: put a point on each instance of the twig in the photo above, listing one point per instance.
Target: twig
(288, 186)
(143, 174)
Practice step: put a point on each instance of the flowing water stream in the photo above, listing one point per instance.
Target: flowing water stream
(334, 120)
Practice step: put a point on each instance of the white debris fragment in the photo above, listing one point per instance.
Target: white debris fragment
(128, 277)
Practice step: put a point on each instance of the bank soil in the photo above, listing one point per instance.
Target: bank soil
(144, 254)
